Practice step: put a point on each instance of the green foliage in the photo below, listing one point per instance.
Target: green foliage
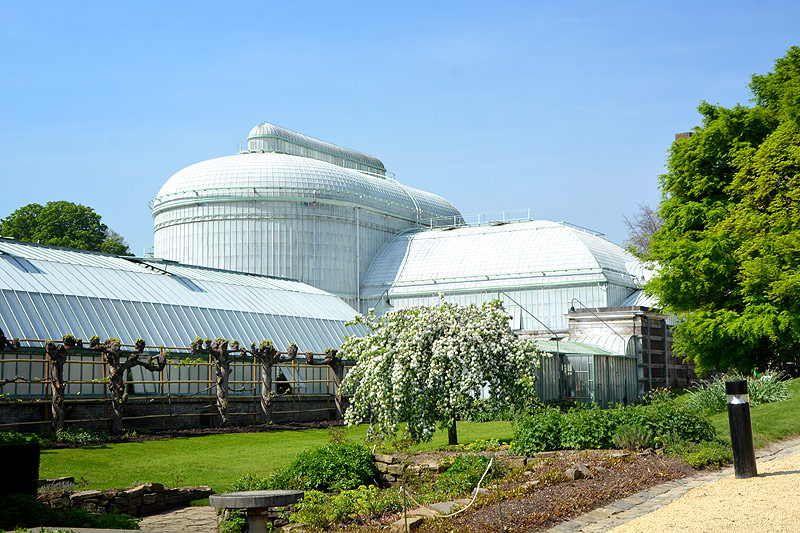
(539, 431)
(336, 466)
(463, 474)
(78, 435)
(8, 438)
(728, 255)
(22, 510)
(712, 453)
(657, 395)
(234, 522)
(583, 429)
(488, 410)
(62, 224)
(484, 445)
(668, 418)
(551, 477)
(321, 510)
(711, 398)
(632, 437)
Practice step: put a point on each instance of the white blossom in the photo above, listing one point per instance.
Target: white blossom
(424, 365)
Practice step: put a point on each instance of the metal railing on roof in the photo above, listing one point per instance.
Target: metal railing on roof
(479, 219)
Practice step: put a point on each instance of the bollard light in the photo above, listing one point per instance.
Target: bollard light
(744, 454)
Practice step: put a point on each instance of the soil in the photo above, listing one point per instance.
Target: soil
(538, 507)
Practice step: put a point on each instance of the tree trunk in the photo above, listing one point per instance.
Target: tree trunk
(116, 386)
(337, 368)
(57, 356)
(266, 387)
(452, 434)
(223, 368)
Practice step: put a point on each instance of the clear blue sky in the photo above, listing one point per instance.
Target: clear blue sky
(564, 107)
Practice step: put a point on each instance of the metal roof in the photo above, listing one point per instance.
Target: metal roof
(570, 348)
(268, 176)
(534, 253)
(265, 130)
(46, 292)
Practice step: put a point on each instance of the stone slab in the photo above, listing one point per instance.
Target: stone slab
(255, 499)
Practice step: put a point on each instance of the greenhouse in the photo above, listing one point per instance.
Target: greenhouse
(47, 292)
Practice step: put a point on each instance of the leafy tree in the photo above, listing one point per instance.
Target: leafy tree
(63, 224)
(425, 365)
(729, 249)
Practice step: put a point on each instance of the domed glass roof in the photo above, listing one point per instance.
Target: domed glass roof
(265, 175)
(297, 144)
(538, 252)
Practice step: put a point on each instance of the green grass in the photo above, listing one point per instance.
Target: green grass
(214, 460)
(771, 421)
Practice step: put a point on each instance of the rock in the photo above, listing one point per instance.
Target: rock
(84, 495)
(424, 512)
(529, 484)
(155, 487)
(578, 471)
(134, 492)
(396, 470)
(515, 462)
(444, 507)
(400, 526)
(482, 490)
(434, 466)
(385, 458)
(545, 455)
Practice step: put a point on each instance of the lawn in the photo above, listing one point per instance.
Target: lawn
(771, 421)
(214, 460)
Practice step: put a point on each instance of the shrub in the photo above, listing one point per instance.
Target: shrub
(771, 386)
(539, 431)
(658, 395)
(19, 469)
(77, 435)
(10, 438)
(487, 410)
(321, 510)
(765, 388)
(668, 418)
(463, 474)
(334, 467)
(712, 453)
(587, 428)
(632, 437)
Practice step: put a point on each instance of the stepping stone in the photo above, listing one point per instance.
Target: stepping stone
(400, 526)
(444, 507)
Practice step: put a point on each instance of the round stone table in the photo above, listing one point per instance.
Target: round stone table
(257, 503)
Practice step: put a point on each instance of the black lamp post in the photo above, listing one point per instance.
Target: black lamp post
(744, 455)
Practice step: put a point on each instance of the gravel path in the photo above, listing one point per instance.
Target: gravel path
(713, 502)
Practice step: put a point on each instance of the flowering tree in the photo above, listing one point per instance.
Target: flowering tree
(425, 365)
